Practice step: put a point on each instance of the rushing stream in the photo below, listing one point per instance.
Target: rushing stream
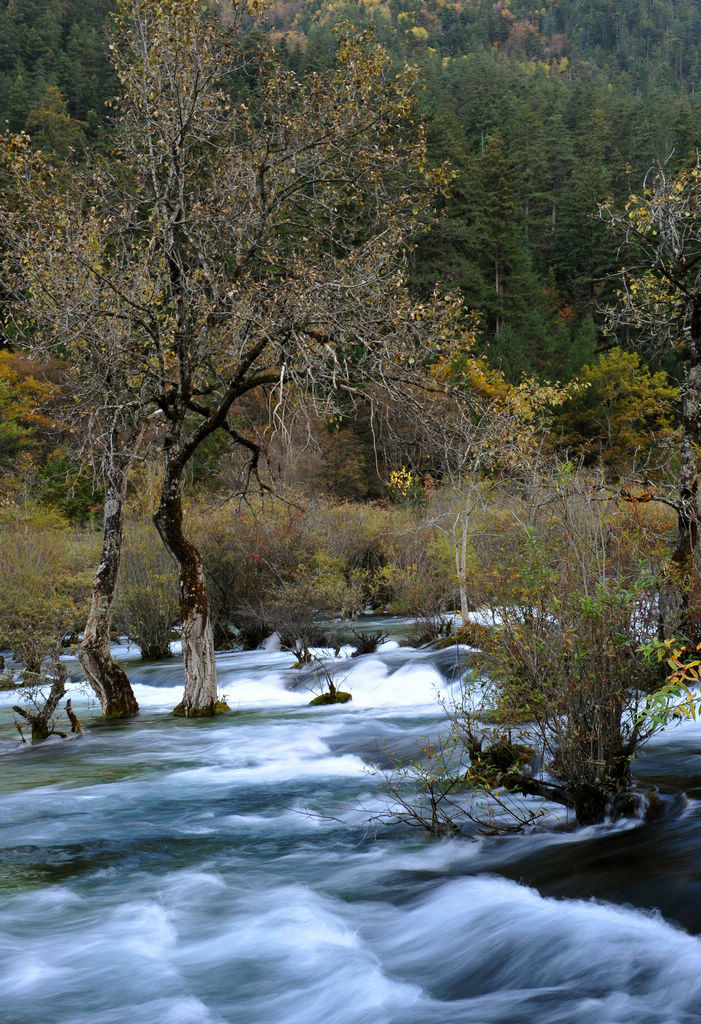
(163, 871)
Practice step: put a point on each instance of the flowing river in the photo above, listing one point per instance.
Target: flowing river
(163, 871)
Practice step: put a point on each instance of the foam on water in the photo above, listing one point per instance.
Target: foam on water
(685, 730)
(169, 872)
(255, 679)
(284, 954)
(489, 935)
(228, 948)
(374, 684)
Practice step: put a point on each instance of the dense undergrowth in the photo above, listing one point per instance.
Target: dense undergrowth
(564, 580)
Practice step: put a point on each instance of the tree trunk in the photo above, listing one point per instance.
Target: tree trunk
(42, 719)
(590, 803)
(107, 678)
(200, 697)
(460, 550)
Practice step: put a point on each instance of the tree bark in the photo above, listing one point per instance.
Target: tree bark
(41, 720)
(200, 697)
(460, 551)
(107, 678)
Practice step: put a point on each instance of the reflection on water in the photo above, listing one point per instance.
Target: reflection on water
(207, 872)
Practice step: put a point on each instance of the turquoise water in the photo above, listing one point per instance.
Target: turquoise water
(230, 871)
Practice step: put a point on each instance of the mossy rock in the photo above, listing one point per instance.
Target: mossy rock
(445, 642)
(505, 756)
(655, 809)
(472, 634)
(220, 708)
(339, 697)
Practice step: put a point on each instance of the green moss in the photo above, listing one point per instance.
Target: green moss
(181, 711)
(119, 715)
(473, 634)
(339, 697)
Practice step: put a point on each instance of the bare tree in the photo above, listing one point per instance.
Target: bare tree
(247, 245)
(40, 708)
(475, 434)
(67, 310)
(107, 678)
(499, 436)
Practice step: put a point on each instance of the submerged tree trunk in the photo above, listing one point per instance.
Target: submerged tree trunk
(200, 697)
(107, 678)
(42, 718)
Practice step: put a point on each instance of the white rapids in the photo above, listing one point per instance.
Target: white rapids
(163, 871)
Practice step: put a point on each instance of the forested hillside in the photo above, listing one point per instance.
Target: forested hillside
(60, 44)
(542, 112)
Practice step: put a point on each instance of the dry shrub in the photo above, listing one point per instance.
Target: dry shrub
(580, 598)
(45, 584)
(147, 606)
(419, 578)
